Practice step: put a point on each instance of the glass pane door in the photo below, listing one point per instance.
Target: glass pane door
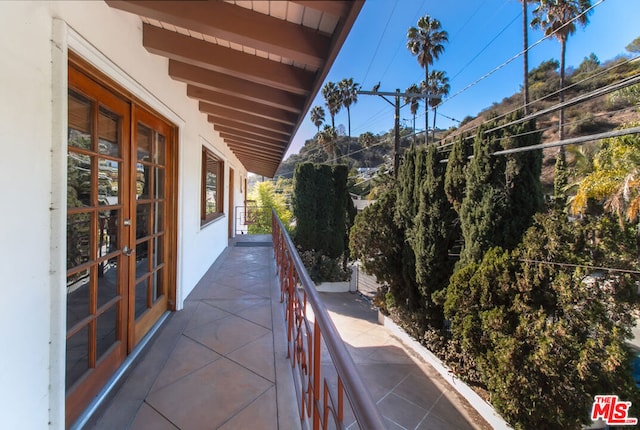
(120, 231)
(149, 293)
(96, 266)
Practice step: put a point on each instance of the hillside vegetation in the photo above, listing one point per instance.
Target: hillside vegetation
(595, 115)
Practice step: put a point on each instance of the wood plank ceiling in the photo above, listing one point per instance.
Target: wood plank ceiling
(254, 66)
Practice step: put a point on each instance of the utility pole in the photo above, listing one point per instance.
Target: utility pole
(396, 104)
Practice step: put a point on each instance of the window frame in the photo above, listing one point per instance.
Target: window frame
(211, 159)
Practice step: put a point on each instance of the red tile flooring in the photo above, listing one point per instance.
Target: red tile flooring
(220, 363)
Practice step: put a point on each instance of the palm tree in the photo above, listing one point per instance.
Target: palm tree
(317, 116)
(332, 100)
(349, 95)
(437, 87)
(414, 104)
(581, 166)
(366, 139)
(559, 17)
(615, 179)
(426, 42)
(327, 138)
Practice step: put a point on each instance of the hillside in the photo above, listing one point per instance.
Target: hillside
(594, 115)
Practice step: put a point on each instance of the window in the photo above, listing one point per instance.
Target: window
(212, 187)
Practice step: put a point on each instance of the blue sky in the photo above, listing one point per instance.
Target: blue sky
(483, 34)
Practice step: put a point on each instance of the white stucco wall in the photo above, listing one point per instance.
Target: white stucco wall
(25, 171)
(33, 175)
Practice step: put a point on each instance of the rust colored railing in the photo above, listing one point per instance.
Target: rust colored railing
(322, 380)
(252, 219)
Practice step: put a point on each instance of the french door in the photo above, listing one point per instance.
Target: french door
(120, 231)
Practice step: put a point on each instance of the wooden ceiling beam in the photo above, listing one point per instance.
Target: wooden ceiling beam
(239, 147)
(260, 142)
(225, 122)
(241, 105)
(279, 139)
(237, 141)
(250, 152)
(214, 57)
(256, 157)
(245, 118)
(250, 161)
(263, 169)
(235, 86)
(238, 25)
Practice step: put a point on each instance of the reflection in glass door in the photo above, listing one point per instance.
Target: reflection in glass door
(149, 294)
(120, 232)
(96, 178)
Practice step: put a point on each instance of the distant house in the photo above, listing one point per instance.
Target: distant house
(360, 202)
(367, 172)
(128, 132)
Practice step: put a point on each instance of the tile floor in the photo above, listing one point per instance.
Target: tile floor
(410, 394)
(220, 363)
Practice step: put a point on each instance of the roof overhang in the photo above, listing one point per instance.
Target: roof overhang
(254, 66)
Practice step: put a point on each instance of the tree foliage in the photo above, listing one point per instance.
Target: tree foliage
(426, 41)
(348, 96)
(455, 177)
(634, 46)
(328, 138)
(615, 180)
(317, 116)
(406, 209)
(377, 241)
(320, 208)
(483, 206)
(266, 198)
(546, 338)
(502, 192)
(429, 236)
(332, 99)
(544, 79)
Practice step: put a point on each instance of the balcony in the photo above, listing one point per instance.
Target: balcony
(242, 354)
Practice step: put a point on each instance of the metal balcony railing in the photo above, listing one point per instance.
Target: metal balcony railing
(252, 219)
(321, 386)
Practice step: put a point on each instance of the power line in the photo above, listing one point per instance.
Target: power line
(586, 266)
(595, 93)
(572, 141)
(392, 61)
(594, 76)
(380, 41)
(486, 75)
(485, 47)
(635, 79)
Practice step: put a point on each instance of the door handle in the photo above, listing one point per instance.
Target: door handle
(128, 251)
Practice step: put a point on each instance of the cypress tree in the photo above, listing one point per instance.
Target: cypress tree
(455, 180)
(305, 206)
(325, 197)
(522, 181)
(560, 181)
(405, 210)
(503, 192)
(338, 219)
(377, 241)
(320, 208)
(406, 204)
(429, 236)
(482, 209)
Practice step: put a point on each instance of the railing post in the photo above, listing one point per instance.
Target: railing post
(304, 347)
(316, 375)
